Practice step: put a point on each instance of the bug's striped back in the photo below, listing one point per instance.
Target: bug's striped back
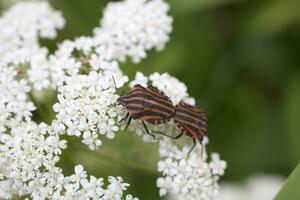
(148, 104)
(191, 121)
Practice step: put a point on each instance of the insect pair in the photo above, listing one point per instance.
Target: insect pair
(150, 105)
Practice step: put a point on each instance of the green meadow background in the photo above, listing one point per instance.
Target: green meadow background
(240, 59)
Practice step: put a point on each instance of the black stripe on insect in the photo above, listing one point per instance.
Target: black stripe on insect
(191, 122)
(146, 104)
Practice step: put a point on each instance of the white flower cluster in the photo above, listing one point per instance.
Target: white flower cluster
(29, 155)
(14, 104)
(257, 187)
(82, 56)
(191, 177)
(171, 86)
(29, 152)
(86, 74)
(25, 22)
(128, 29)
(21, 26)
(87, 106)
(131, 27)
(31, 64)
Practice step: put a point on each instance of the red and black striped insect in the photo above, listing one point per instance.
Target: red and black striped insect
(191, 121)
(148, 105)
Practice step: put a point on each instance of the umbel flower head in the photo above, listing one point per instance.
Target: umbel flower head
(23, 24)
(131, 27)
(81, 73)
(87, 107)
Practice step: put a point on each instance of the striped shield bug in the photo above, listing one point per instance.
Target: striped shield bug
(147, 105)
(191, 121)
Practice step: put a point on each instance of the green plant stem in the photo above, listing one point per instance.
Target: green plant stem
(42, 113)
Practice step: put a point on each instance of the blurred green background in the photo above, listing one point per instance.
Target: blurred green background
(240, 60)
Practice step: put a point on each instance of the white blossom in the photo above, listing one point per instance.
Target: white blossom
(129, 28)
(14, 104)
(25, 22)
(187, 177)
(31, 63)
(87, 107)
(29, 155)
(176, 90)
(82, 56)
(256, 187)
(141, 79)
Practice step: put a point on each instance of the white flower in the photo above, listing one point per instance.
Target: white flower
(25, 22)
(31, 64)
(186, 177)
(131, 27)
(176, 90)
(141, 79)
(257, 187)
(28, 157)
(218, 166)
(87, 107)
(82, 56)
(14, 105)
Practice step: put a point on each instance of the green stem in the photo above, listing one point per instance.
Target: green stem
(42, 113)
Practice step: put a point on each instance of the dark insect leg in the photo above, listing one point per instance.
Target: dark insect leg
(127, 115)
(128, 123)
(192, 147)
(169, 136)
(147, 131)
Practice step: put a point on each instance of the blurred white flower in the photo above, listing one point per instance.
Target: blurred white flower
(31, 64)
(25, 22)
(129, 28)
(141, 79)
(257, 187)
(21, 27)
(87, 107)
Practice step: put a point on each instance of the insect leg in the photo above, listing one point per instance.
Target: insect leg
(192, 147)
(147, 131)
(169, 136)
(128, 123)
(127, 115)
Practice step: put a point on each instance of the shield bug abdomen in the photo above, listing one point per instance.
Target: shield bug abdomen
(191, 121)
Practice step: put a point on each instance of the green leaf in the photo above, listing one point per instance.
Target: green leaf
(274, 17)
(291, 118)
(290, 189)
(189, 6)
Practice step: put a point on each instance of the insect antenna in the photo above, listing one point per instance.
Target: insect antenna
(113, 79)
